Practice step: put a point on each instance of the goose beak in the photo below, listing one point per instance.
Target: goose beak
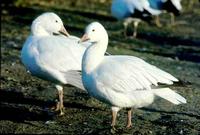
(84, 38)
(64, 32)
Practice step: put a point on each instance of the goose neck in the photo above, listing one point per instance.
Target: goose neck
(94, 55)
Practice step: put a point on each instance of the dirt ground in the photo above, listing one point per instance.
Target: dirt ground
(25, 100)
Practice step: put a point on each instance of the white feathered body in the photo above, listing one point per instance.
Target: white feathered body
(120, 80)
(125, 81)
(121, 9)
(53, 58)
(168, 5)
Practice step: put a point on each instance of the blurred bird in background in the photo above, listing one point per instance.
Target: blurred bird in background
(132, 11)
(135, 11)
(170, 6)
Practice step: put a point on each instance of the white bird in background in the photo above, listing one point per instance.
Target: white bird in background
(121, 81)
(51, 56)
(132, 11)
(172, 6)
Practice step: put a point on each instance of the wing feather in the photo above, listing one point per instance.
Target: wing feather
(57, 55)
(128, 73)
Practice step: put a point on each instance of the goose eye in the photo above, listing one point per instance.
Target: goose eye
(56, 21)
(93, 30)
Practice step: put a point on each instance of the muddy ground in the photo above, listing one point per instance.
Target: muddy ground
(24, 99)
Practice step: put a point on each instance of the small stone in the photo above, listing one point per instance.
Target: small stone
(181, 132)
(179, 68)
(12, 44)
(150, 132)
(50, 122)
(176, 58)
(13, 64)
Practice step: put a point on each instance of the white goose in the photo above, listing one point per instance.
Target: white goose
(132, 11)
(172, 6)
(121, 81)
(51, 56)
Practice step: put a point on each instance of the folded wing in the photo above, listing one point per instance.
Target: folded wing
(128, 73)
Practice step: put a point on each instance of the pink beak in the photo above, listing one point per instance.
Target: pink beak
(64, 32)
(84, 38)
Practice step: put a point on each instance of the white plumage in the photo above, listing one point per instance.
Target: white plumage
(55, 58)
(121, 81)
(172, 6)
(121, 9)
(162, 4)
(132, 11)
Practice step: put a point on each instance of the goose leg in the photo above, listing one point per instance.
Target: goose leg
(114, 116)
(60, 106)
(125, 28)
(157, 21)
(172, 19)
(129, 123)
(135, 30)
(135, 24)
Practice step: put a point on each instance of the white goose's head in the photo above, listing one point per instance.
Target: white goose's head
(94, 32)
(48, 24)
